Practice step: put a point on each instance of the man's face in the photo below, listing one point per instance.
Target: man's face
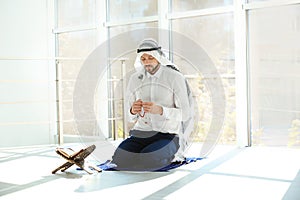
(150, 63)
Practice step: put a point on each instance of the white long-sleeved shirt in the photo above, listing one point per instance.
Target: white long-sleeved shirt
(166, 88)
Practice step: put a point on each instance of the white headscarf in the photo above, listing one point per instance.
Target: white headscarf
(150, 47)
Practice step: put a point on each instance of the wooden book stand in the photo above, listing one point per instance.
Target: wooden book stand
(76, 158)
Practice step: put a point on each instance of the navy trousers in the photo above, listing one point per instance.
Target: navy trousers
(146, 150)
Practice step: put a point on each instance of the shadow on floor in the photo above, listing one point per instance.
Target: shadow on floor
(294, 190)
(109, 179)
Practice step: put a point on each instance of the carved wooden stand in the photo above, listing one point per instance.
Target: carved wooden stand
(76, 158)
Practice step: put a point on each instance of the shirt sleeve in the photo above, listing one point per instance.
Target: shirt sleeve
(180, 112)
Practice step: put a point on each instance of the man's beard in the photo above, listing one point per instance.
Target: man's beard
(151, 68)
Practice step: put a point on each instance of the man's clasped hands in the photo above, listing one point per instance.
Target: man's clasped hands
(140, 107)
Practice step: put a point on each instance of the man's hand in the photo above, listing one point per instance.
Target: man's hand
(136, 107)
(150, 107)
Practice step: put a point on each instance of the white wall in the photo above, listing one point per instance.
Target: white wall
(27, 75)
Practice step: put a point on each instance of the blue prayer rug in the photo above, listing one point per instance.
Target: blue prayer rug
(108, 166)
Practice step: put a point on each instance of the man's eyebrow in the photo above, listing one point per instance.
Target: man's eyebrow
(148, 56)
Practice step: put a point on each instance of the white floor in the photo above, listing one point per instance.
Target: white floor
(259, 173)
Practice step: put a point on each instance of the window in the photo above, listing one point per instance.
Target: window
(131, 9)
(186, 5)
(214, 33)
(75, 13)
(76, 38)
(274, 50)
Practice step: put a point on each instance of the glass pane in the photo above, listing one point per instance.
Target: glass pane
(215, 35)
(249, 1)
(37, 70)
(131, 9)
(24, 135)
(70, 68)
(186, 5)
(27, 112)
(69, 73)
(275, 75)
(75, 12)
(76, 44)
(27, 103)
(24, 91)
(67, 88)
(25, 31)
